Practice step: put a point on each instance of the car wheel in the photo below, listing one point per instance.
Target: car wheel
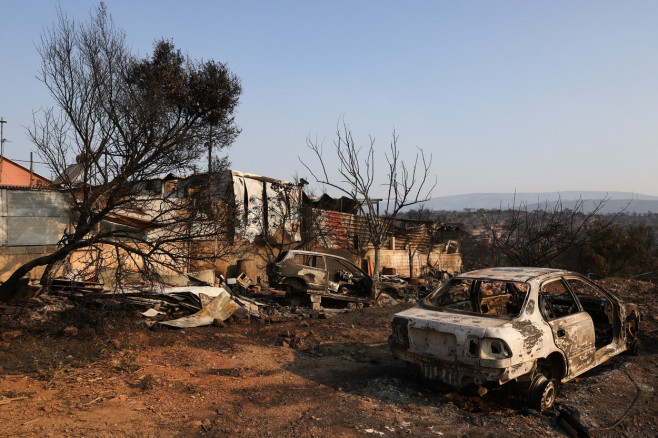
(635, 348)
(541, 395)
(295, 286)
(632, 327)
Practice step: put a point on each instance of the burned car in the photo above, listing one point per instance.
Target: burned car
(536, 327)
(324, 275)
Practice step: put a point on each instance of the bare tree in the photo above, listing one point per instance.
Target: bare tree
(127, 123)
(403, 185)
(539, 237)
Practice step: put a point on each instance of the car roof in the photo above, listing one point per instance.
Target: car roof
(299, 251)
(512, 273)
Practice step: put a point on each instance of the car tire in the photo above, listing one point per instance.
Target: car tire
(294, 287)
(542, 392)
(635, 347)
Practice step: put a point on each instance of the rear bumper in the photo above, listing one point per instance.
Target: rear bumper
(458, 374)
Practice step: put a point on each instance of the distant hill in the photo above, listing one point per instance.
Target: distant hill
(616, 201)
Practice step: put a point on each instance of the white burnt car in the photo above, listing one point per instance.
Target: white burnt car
(533, 326)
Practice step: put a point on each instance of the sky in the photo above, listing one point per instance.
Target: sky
(504, 95)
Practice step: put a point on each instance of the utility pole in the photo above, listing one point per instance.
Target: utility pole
(2, 145)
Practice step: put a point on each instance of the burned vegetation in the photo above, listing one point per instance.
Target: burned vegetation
(144, 297)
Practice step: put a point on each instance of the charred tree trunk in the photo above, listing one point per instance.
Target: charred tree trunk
(412, 254)
(50, 272)
(376, 270)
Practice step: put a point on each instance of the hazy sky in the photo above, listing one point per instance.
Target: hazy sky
(506, 95)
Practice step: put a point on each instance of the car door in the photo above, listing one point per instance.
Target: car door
(601, 308)
(573, 329)
(311, 268)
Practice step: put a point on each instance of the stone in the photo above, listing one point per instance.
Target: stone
(10, 334)
(70, 331)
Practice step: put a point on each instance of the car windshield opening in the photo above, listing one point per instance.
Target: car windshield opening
(483, 296)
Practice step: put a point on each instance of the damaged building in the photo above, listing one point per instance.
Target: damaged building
(413, 246)
(265, 217)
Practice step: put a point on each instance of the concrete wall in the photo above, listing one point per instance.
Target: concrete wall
(399, 259)
(12, 257)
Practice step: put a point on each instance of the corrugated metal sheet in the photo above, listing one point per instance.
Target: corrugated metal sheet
(27, 231)
(343, 231)
(346, 231)
(416, 237)
(340, 230)
(27, 203)
(32, 217)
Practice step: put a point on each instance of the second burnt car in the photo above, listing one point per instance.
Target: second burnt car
(533, 326)
(308, 272)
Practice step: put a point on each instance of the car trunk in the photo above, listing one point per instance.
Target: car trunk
(443, 334)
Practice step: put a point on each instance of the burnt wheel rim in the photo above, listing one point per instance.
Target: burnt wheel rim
(548, 395)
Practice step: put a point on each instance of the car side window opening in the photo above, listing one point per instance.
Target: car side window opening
(314, 261)
(334, 267)
(318, 262)
(556, 301)
(455, 294)
(598, 306)
(488, 297)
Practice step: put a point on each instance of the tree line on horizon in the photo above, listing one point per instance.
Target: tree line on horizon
(594, 243)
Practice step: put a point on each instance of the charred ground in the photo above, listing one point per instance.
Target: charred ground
(68, 369)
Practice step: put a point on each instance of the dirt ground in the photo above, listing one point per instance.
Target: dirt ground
(68, 370)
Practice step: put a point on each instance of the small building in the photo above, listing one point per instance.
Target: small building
(264, 207)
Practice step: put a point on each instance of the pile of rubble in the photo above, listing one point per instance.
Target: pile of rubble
(197, 299)
(197, 303)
